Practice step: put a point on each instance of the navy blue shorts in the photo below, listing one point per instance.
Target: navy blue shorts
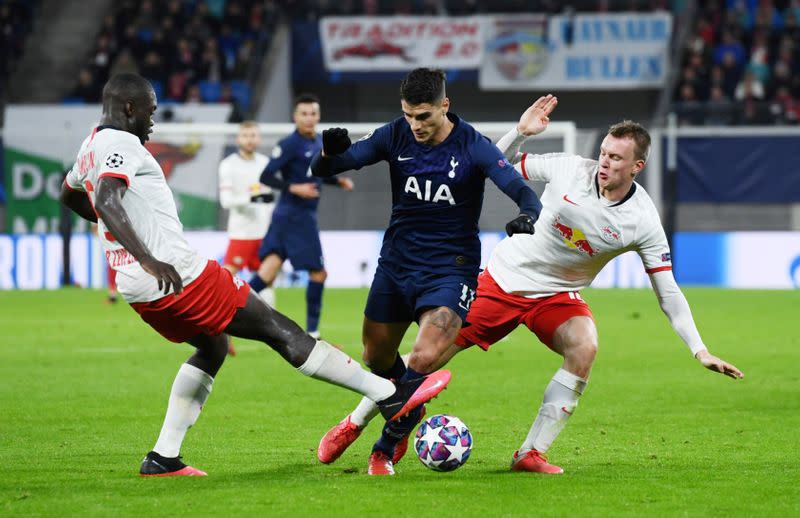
(295, 241)
(401, 295)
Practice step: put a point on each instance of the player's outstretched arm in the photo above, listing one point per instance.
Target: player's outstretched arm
(715, 364)
(533, 121)
(78, 202)
(108, 203)
(674, 305)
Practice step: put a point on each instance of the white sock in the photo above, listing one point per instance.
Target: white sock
(189, 392)
(364, 412)
(559, 402)
(268, 294)
(332, 365)
(367, 409)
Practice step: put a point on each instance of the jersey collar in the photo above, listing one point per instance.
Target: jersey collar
(620, 202)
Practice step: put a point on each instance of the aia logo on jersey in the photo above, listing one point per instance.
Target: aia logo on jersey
(611, 234)
(426, 192)
(114, 160)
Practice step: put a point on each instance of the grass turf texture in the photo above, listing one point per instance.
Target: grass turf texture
(84, 388)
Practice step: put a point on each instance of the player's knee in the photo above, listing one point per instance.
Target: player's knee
(318, 275)
(378, 360)
(582, 353)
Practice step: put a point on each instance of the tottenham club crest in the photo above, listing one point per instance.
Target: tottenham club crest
(114, 161)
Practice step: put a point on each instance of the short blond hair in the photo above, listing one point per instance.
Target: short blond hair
(635, 131)
(248, 124)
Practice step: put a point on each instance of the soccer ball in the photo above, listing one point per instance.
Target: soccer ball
(443, 443)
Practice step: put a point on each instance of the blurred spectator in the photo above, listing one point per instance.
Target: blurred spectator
(87, 89)
(750, 88)
(153, 68)
(730, 50)
(193, 95)
(784, 108)
(719, 109)
(124, 64)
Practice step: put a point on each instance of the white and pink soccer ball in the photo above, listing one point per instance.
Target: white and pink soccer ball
(443, 443)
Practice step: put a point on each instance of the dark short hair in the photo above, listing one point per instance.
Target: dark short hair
(423, 85)
(126, 86)
(635, 131)
(305, 98)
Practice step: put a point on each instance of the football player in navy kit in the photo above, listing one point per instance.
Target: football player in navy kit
(431, 253)
(294, 232)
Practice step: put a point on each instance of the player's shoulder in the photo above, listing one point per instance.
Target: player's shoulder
(645, 202)
(113, 136)
(260, 157)
(230, 159)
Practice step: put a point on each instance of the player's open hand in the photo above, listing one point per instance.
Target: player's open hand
(335, 141)
(346, 183)
(537, 116)
(166, 275)
(307, 191)
(715, 364)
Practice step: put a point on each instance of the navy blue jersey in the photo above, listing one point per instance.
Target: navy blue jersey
(437, 193)
(292, 156)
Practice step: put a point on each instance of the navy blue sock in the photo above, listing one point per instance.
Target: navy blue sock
(257, 283)
(411, 374)
(313, 305)
(394, 431)
(395, 372)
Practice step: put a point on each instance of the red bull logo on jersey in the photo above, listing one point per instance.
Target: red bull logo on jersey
(170, 155)
(573, 237)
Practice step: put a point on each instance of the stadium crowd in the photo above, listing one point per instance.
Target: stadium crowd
(313, 9)
(191, 51)
(742, 64)
(16, 18)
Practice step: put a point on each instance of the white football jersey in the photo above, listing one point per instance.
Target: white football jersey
(578, 231)
(238, 181)
(149, 205)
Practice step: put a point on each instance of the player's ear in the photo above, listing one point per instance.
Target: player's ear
(129, 108)
(637, 168)
(445, 104)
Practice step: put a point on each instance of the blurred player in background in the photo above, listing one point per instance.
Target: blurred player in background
(120, 186)
(294, 231)
(593, 212)
(249, 202)
(431, 252)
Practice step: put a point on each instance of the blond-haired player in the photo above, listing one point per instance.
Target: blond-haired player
(249, 202)
(593, 211)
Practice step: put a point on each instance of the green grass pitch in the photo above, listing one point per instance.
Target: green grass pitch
(84, 385)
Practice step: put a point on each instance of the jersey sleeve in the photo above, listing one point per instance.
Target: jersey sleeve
(121, 157)
(653, 247)
(230, 194)
(73, 180)
(281, 154)
(495, 166)
(544, 168)
(369, 149)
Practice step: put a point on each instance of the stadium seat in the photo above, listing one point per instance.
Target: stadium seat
(158, 88)
(241, 92)
(210, 91)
